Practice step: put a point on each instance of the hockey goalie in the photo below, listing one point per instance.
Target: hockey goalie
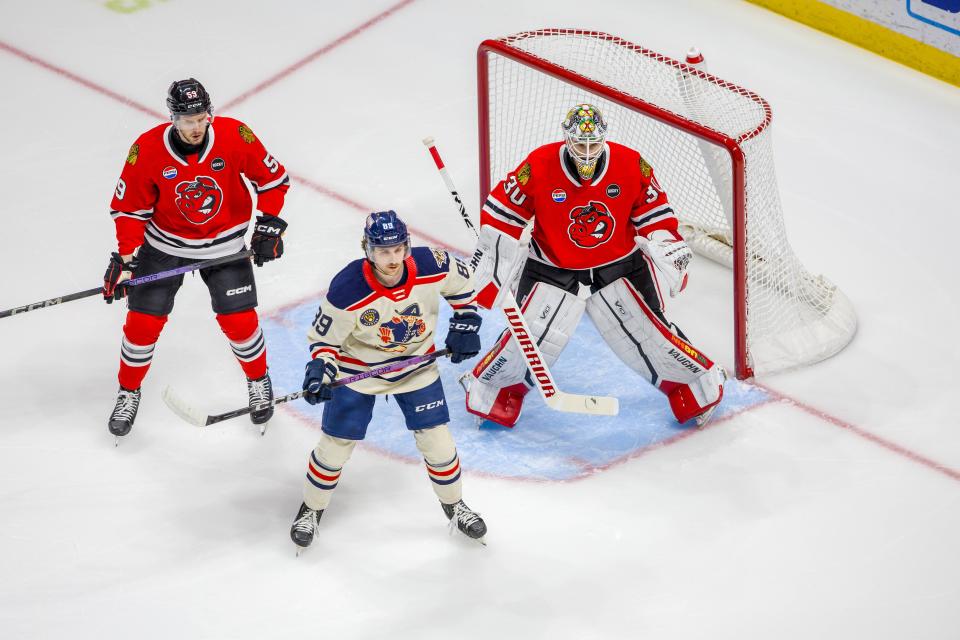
(601, 221)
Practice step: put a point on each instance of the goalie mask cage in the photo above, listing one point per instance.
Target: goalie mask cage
(709, 143)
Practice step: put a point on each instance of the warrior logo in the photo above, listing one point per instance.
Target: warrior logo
(403, 327)
(200, 199)
(592, 225)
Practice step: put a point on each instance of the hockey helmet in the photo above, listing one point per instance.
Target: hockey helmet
(584, 131)
(384, 229)
(188, 97)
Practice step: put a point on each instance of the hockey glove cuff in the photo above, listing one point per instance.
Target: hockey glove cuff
(317, 379)
(463, 338)
(496, 261)
(267, 240)
(118, 272)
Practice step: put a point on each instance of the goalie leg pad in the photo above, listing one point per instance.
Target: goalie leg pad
(648, 344)
(323, 470)
(500, 380)
(443, 464)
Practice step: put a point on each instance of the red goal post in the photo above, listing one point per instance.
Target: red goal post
(709, 142)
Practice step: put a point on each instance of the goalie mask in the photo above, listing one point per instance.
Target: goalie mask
(384, 229)
(584, 131)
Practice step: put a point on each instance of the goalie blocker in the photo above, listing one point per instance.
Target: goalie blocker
(626, 306)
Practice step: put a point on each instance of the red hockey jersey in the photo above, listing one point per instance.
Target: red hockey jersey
(580, 224)
(196, 206)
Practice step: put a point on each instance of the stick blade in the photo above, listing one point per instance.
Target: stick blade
(176, 404)
(591, 405)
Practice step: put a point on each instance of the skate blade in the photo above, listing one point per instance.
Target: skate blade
(263, 429)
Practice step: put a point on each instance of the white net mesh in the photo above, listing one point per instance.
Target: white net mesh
(792, 318)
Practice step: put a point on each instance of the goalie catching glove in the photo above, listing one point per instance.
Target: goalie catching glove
(267, 240)
(495, 262)
(670, 256)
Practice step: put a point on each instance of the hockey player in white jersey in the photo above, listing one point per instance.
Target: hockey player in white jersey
(379, 310)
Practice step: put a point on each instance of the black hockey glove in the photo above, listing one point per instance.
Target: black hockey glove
(267, 240)
(319, 375)
(113, 288)
(462, 338)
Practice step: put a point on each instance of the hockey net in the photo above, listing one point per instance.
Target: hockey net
(708, 141)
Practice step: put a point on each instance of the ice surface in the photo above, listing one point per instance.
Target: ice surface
(824, 504)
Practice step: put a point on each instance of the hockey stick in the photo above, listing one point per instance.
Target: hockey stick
(197, 417)
(160, 275)
(552, 396)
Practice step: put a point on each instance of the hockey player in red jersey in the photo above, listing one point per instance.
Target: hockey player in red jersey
(602, 221)
(180, 199)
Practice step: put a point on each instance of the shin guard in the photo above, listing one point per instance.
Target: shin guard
(140, 334)
(323, 470)
(443, 464)
(246, 339)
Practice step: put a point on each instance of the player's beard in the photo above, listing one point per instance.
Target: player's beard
(389, 275)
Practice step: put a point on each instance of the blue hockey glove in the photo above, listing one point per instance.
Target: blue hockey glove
(462, 338)
(319, 375)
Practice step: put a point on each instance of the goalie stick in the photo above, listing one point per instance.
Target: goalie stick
(153, 277)
(542, 377)
(197, 417)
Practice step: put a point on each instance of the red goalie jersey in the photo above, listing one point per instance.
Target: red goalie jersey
(196, 206)
(580, 225)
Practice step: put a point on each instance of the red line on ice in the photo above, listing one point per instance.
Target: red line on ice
(316, 54)
(866, 435)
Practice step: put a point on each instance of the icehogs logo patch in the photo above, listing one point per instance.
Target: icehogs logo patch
(403, 327)
(200, 199)
(592, 225)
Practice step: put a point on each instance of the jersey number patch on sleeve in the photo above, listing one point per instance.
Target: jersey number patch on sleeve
(321, 323)
(121, 189)
(512, 189)
(271, 163)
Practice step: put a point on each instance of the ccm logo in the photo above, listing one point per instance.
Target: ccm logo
(428, 406)
(239, 290)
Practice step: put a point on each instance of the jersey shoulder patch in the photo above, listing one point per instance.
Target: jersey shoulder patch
(430, 261)
(348, 286)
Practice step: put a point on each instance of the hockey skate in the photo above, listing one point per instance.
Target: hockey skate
(124, 413)
(305, 527)
(260, 392)
(469, 522)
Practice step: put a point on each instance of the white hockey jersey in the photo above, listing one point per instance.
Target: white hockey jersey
(361, 324)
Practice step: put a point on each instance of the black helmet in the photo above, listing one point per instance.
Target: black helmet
(187, 97)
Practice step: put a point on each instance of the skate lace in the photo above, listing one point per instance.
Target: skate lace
(306, 523)
(127, 403)
(259, 391)
(462, 514)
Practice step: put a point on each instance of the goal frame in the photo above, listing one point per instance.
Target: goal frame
(743, 367)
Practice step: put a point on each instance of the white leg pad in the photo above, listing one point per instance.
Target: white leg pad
(552, 315)
(323, 470)
(443, 464)
(649, 346)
